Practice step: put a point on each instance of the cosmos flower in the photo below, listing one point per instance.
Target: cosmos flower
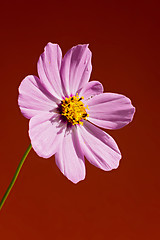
(65, 109)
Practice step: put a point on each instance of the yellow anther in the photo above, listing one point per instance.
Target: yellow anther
(74, 110)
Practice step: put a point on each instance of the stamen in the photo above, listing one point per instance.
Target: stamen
(74, 110)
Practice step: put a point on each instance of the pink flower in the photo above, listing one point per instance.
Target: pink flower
(62, 105)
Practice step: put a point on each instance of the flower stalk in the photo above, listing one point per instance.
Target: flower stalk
(15, 176)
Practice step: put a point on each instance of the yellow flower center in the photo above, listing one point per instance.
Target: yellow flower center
(74, 110)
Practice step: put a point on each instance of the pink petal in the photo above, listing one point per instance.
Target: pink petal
(69, 157)
(90, 89)
(46, 132)
(98, 147)
(76, 68)
(110, 110)
(49, 64)
(33, 98)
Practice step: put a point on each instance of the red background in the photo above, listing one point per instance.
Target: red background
(123, 204)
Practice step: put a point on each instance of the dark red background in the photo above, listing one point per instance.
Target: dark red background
(123, 204)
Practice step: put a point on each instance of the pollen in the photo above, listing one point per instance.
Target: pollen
(74, 110)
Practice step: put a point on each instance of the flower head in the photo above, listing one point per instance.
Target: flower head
(64, 107)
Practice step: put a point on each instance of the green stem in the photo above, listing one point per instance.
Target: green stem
(15, 176)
